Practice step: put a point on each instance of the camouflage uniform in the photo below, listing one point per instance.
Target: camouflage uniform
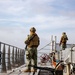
(32, 43)
(31, 54)
(63, 41)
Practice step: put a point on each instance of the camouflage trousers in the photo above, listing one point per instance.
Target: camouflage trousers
(31, 56)
(63, 45)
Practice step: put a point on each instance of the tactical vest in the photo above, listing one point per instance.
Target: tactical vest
(64, 39)
(34, 42)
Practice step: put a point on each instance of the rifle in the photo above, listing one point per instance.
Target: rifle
(28, 41)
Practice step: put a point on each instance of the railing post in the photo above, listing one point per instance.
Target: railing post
(16, 57)
(0, 53)
(22, 55)
(13, 62)
(0, 46)
(9, 64)
(3, 60)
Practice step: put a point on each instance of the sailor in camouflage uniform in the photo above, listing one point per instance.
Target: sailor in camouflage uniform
(63, 40)
(32, 42)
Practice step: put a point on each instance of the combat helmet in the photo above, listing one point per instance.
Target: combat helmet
(32, 29)
(64, 33)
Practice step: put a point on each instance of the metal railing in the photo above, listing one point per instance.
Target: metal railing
(10, 57)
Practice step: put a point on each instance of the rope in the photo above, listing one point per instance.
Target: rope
(44, 47)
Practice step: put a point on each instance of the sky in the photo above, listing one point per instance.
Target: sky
(49, 17)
